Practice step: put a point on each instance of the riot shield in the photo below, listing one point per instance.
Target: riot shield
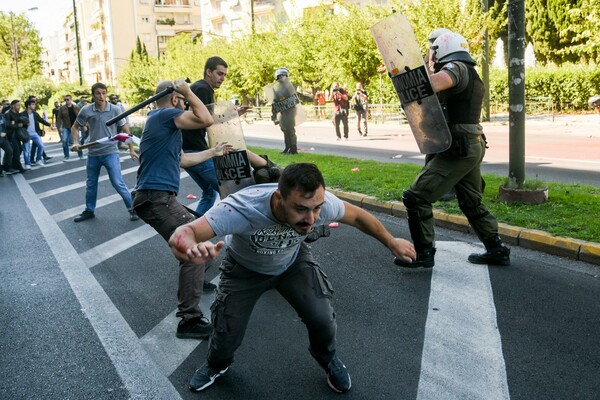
(401, 54)
(233, 170)
(282, 95)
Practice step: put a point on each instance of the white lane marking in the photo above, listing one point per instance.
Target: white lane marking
(63, 173)
(162, 345)
(139, 373)
(56, 174)
(114, 246)
(462, 351)
(80, 184)
(74, 211)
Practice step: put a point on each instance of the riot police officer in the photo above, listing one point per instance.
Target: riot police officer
(285, 106)
(460, 90)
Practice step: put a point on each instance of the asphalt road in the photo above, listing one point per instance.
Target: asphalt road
(87, 312)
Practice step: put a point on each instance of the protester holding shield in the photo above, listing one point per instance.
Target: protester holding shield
(194, 140)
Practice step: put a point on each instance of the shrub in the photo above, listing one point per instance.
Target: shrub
(567, 88)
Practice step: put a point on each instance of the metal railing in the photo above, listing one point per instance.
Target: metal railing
(377, 113)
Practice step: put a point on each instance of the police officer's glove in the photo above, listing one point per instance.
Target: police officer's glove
(268, 174)
(317, 232)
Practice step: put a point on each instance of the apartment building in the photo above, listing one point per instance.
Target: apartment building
(108, 30)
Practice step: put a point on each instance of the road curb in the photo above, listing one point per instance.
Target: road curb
(575, 249)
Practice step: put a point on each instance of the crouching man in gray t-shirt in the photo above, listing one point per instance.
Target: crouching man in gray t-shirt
(268, 224)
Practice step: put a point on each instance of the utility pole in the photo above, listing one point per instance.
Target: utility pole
(516, 93)
(485, 67)
(252, 14)
(77, 43)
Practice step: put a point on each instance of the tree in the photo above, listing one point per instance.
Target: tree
(583, 27)
(140, 75)
(21, 41)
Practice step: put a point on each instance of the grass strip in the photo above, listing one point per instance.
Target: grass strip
(572, 210)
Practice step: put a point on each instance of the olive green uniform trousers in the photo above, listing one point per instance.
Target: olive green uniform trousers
(443, 172)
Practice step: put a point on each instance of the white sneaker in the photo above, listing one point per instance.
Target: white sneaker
(27, 167)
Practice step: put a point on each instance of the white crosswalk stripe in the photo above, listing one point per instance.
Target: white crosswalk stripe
(462, 352)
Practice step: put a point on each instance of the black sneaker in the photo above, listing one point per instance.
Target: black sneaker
(494, 256)
(194, 328)
(1, 174)
(84, 215)
(425, 259)
(204, 377)
(338, 377)
(12, 171)
(133, 216)
(208, 286)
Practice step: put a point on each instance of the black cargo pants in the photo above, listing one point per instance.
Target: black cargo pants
(305, 287)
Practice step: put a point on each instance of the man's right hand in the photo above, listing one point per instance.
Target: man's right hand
(182, 87)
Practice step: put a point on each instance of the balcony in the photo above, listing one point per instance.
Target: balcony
(165, 21)
(264, 7)
(173, 5)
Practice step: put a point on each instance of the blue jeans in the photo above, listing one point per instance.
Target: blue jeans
(39, 149)
(113, 167)
(204, 175)
(67, 142)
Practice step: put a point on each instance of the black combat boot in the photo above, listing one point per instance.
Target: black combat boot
(425, 259)
(496, 254)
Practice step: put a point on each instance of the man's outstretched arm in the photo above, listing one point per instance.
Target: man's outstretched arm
(367, 223)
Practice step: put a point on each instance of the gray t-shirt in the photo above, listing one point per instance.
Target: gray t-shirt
(96, 120)
(259, 242)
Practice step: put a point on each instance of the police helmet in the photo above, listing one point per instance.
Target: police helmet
(281, 71)
(436, 34)
(451, 47)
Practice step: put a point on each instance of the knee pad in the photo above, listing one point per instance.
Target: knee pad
(410, 200)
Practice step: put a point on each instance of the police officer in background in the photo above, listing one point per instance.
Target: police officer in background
(287, 117)
(460, 89)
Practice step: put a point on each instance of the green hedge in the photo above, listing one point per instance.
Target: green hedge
(566, 88)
